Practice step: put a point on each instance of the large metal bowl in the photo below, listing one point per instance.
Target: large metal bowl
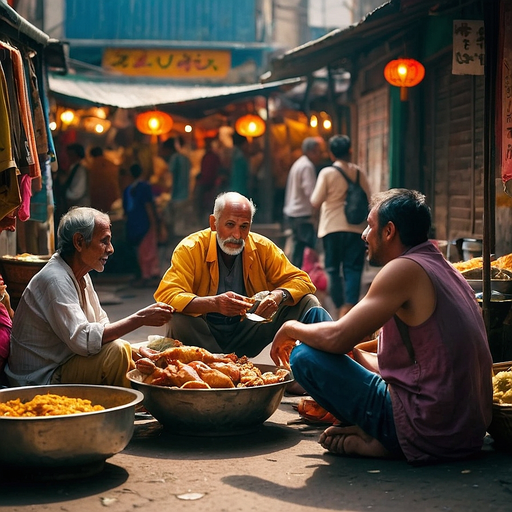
(211, 412)
(497, 285)
(68, 440)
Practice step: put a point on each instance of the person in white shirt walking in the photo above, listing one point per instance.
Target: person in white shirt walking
(299, 187)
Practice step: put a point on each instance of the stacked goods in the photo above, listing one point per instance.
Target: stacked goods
(501, 268)
(502, 387)
(501, 425)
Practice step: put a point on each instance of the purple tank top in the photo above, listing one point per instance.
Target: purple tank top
(442, 402)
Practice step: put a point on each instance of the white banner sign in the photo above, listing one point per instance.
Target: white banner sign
(468, 47)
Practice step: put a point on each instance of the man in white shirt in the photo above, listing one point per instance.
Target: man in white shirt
(299, 187)
(60, 333)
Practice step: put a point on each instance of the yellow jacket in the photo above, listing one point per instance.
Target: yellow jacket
(194, 270)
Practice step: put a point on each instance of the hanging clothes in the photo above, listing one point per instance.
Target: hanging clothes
(10, 198)
(29, 136)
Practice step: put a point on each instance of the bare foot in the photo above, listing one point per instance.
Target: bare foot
(352, 440)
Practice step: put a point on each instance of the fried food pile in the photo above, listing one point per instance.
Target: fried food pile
(26, 257)
(502, 387)
(47, 405)
(189, 367)
(501, 268)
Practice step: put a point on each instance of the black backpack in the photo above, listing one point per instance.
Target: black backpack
(356, 202)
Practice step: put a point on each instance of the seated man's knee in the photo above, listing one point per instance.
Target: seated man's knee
(315, 314)
(300, 355)
(309, 301)
(120, 349)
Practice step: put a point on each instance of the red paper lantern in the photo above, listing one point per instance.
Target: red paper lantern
(250, 126)
(154, 122)
(404, 73)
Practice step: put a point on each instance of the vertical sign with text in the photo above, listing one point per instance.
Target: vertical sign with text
(468, 47)
(504, 96)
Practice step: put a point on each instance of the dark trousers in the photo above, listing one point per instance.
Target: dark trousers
(344, 253)
(303, 235)
(246, 338)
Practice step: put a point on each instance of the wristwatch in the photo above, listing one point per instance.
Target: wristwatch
(286, 295)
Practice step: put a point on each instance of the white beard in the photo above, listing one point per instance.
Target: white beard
(228, 250)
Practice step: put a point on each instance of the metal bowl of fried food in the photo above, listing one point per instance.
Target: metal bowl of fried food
(84, 439)
(212, 412)
(501, 279)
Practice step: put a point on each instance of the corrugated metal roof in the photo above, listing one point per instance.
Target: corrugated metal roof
(179, 20)
(101, 91)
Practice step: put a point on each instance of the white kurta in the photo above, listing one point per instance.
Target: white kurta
(52, 323)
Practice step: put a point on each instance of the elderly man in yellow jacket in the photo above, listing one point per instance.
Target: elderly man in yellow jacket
(215, 274)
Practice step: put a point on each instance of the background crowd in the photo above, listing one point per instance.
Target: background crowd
(164, 191)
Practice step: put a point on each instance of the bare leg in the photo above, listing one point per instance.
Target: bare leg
(352, 440)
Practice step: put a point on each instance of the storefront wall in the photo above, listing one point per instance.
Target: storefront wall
(372, 138)
(453, 150)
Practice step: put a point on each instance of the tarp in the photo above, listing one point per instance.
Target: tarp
(193, 99)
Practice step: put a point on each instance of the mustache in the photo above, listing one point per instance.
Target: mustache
(233, 241)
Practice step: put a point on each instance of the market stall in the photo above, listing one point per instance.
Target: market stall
(26, 200)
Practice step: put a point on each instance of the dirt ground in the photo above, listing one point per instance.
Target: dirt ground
(279, 467)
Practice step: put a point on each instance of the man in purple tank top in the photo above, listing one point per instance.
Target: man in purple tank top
(426, 395)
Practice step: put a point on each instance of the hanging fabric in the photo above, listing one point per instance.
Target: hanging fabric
(26, 117)
(10, 198)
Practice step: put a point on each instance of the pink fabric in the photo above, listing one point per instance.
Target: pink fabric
(147, 254)
(442, 402)
(5, 331)
(26, 194)
(311, 264)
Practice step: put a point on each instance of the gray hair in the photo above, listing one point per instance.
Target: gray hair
(310, 144)
(77, 220)
(222, 199)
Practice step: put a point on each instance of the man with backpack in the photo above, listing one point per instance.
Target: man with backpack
(339, 197)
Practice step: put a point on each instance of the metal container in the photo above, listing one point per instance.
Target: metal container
(68, 440)
(503, 286)
(471, 248)
(211, 412)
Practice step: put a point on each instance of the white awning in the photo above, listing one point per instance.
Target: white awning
(123, 94)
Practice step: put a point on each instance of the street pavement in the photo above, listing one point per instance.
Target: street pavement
(278, 467)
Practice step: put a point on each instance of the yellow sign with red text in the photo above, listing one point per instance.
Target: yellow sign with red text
(165, 63)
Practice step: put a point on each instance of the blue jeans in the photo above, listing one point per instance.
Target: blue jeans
(348, 391)
(346, 250)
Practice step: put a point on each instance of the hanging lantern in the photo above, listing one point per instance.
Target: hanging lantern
(154, 122)
(250, 126)
(95, 124)
(404, 73)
